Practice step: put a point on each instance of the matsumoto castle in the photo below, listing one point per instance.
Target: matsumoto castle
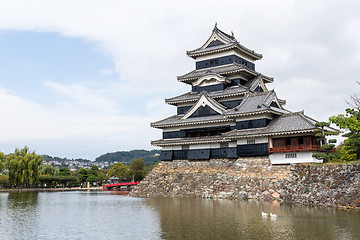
(230, 113)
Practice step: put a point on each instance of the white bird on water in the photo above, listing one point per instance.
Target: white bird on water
(264, 214)
(273, 216)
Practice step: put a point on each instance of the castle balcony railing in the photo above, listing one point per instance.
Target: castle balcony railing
(299, 148)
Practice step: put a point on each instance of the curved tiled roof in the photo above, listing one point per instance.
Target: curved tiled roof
(193, 140)
(256, 103)
(194, 96)
(229, 43)
(289, 123)
(223, 70)
(177, 120)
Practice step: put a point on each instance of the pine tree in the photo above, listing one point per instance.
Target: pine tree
(323, 130)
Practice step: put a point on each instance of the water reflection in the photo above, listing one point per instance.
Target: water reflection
(20, 213)
(108, 215)
(76, 215)
(223, 219)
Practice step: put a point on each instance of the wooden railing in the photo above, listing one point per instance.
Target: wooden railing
(298, 148)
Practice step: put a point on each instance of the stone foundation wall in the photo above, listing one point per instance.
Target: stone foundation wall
(252, 177)
(255, 178)
(324, 185)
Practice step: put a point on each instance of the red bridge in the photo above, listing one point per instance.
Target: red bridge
(118, 186)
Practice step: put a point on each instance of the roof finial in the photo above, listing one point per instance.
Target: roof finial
(232, 33)
(215, 24)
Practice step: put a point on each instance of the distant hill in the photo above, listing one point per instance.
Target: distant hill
(47, 158)
(149, 157)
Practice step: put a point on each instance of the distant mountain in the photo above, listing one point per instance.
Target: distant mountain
(149, 157)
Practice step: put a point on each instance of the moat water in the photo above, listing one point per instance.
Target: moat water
(108, 215)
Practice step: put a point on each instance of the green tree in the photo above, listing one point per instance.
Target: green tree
(47, 170)
(83, 174)
(119, 170)
(102, 176)
(94, 170)
(64, 171)
(91, 178)
(323, 130)
(4, 181)
(92, 174)
(351, 123)
(2, 159)
(137, 169)
(23, 167)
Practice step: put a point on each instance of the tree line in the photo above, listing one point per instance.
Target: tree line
(23, 169)
(349, 126)
(149, 157)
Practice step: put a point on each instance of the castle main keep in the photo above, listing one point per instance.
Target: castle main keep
(229, 112)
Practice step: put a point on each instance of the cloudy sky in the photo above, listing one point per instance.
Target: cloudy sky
(83, 78)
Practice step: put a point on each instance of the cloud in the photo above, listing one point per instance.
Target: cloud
(24, 122)
(106, 72)
(311, 49)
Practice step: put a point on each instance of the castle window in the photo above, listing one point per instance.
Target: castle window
(185, 147)
(251, 141)
(224, 145)
(211, 62)
(290, 155)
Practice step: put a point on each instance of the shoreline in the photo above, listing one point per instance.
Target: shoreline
(49, 189)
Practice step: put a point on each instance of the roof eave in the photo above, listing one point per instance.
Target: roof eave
(250, 53)
(174, 103)
(160, 126)
(271, 134)
(195, 141)
(243, 69)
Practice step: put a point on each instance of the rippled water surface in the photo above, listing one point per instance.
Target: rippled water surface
(107, 215)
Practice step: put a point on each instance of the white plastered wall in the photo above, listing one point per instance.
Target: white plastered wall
(243, 141)
(301, 157)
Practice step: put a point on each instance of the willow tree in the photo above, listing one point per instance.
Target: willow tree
(23, 167)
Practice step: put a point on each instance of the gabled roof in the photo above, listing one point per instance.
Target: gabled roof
(192, 140)
(254, 83)
(256, 103)
(213, 78)
(290, 123)
(223, 70)
(177, 120)
(194, 96)
(205, 100)
(220, 41)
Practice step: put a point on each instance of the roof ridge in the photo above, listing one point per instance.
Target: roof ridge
(164, 119)
(190, 92)
(254, 94)
(242, 103)
(224, 33)
(306, 118)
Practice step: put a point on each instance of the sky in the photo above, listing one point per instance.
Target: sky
(79, 79)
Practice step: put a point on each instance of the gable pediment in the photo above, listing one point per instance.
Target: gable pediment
(205, 106)
(218, 38)
(257, 85)
(210, 79)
